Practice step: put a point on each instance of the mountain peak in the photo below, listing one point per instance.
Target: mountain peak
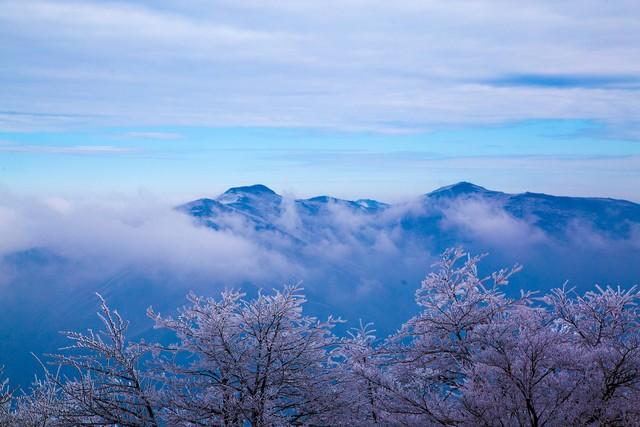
(251, 189)
(462, 187)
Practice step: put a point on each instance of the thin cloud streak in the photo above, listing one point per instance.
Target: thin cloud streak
(79, 149)
(152, 135)
(568, 81)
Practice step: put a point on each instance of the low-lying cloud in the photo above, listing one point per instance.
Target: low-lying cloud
(139, 251)
(489, 223)
(142, 231)
(148, 233)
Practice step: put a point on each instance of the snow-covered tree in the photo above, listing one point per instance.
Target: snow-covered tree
(363, 377)
(5, 400)
(522, 373)
(106, 385)
(260, 362)
(40, 406)
(432, 351)
(604, 327)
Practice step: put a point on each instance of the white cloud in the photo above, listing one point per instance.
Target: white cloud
(488, 222)
(141, 231)
(351, 65)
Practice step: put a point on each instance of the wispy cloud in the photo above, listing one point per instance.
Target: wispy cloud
(387, 67)
(20, 121)
(568, 81)
(77, 149)
(151, 135)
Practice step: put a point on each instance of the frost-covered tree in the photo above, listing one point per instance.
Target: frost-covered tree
(454, 301)
(604, 330)
(522, 373)
(363, 376)
(106, 385)
(431, 353)
(5, 400)
(259, 362)
(40, 406)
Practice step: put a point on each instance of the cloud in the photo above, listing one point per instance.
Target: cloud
(138, 251)
(21, 121)
(488, 222)
(127, 22)
(339, 252)
(113, 233)
(568, 81)
(385, 67)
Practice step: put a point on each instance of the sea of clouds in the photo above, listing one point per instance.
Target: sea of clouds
(138, 250)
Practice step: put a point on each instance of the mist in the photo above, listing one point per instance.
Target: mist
(139, 250)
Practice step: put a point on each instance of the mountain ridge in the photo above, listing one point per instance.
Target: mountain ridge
(261, 208)
(458, 188)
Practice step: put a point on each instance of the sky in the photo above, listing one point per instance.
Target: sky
(351, 98)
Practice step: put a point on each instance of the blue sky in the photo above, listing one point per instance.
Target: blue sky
(350, 98)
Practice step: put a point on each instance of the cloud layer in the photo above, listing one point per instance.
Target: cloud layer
(350, 65)
(139, 251)
(142, 231)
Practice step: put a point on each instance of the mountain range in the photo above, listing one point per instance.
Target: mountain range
(371, 251)
(262, 209)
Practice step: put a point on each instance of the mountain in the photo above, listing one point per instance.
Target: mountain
(351, 247)
(262, 208)
(460, 189)
(553, 214)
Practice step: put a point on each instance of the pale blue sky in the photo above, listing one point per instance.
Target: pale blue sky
(352, 98)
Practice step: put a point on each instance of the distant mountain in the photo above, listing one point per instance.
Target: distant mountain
(460, 189)
(374, 244)
(554, 213)
(262, 208)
